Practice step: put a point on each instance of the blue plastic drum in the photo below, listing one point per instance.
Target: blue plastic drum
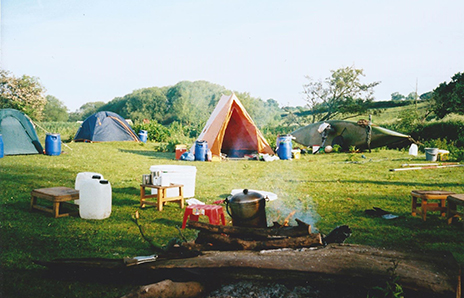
(53, 144)
(201, 149)
(1, 146)
(284, 147)
(143, 136)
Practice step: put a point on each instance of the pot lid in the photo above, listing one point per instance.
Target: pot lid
(246, 196)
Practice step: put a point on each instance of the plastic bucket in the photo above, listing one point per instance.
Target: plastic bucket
(1, 146)
(284, 147)
(143, 136)
(201, 149)
(85, 176)
(53, 144)
(168, 174)
(431, 154)
(95, 199)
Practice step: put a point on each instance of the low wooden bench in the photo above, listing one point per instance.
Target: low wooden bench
(452, 211)
(161, 195)
(56, 195)
(425, 205)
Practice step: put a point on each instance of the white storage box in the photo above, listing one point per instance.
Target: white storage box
(168, 174)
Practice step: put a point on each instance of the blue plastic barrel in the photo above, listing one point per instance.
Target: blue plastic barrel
(201, 149)
(53, 144)
(284, 147)
(1, 146)
(143, 136)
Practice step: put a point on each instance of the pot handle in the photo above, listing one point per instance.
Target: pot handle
(227, 205)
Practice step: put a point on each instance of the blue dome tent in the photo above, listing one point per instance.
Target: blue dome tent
(105, 127)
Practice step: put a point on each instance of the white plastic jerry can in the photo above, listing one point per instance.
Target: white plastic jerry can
(83, 176)
(95, 199)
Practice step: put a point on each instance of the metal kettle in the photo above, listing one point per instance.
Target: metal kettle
(247, 209)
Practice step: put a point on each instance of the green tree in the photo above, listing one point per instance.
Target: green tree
(262, 112)
(55, 110)
(426, 95)
(341, 93)
(397, 96)
(146, 103)
(191, 103)
(86, 110)
(25, 94)
(449, 97)
(412, 96)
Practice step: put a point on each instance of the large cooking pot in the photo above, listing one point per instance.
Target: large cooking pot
(247, 209)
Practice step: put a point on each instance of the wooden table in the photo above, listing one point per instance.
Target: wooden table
(56, 195)
(161, 195)
(425, 205)
(454, 201)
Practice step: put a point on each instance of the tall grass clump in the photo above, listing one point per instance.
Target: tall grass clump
(67, 130)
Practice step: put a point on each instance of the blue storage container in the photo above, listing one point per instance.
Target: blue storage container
(143, 136)
(1, 146)
(53, 144)
(201, 149)
(284, 147)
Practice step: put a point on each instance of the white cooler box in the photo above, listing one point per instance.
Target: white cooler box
(164, 175)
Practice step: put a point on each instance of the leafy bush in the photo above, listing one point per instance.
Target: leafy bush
(336, 148)
(452, 130)
(456, 153)
(156, 132)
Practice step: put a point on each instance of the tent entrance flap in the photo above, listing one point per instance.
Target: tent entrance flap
(239, 137)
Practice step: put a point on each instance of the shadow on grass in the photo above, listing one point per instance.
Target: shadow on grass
(375, 182)
(168, 222)
(153, 154)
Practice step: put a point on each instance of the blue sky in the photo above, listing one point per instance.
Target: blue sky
(93, 50)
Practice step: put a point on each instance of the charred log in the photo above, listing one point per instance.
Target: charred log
(277, 231)
(213, 241)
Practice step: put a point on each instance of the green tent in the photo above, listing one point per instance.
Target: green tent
(18, 133)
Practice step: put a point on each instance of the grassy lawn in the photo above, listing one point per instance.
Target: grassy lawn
(326, 190)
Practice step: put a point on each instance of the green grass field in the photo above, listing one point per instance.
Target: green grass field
(326, 190)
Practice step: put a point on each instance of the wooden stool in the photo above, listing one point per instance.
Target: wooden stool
(56, 195)
(214, 213)
(453, 202)
(426, 195)
(161, 195)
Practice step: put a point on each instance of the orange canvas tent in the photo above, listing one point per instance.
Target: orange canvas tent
(231, 131)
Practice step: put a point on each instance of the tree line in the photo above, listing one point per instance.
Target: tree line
(340, 95)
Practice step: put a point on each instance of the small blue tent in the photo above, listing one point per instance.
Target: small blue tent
(18, 133)
(105, 127)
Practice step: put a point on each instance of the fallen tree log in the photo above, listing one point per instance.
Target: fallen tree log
(420, 274)
(302, 229)
(213, 241)
(168, 289)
